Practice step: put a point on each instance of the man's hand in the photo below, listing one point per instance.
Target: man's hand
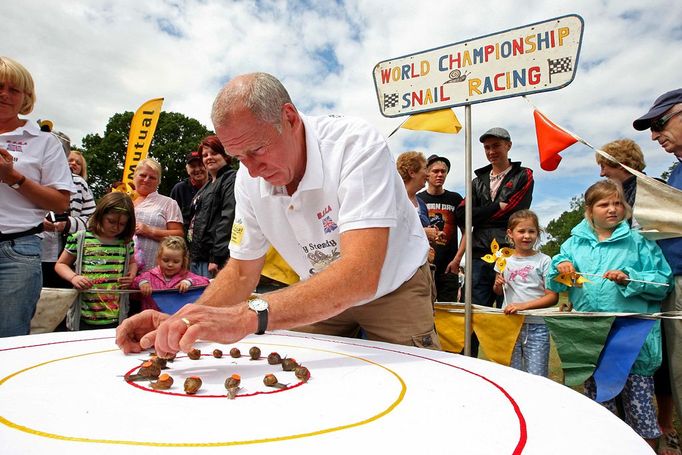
(453, 266)
(173, 334)
(133, 329)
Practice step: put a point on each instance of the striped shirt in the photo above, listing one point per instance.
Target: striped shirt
(102, 264)
(81, 206)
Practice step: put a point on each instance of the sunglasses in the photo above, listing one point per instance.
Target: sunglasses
(658, 124)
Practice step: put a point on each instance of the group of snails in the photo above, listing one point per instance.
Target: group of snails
(150, 370)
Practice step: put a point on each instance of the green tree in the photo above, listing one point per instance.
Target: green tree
(559, 230)
(175, 136)
(666, 174)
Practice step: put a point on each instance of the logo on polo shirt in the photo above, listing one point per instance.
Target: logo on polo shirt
(237, 232)
(16, 146)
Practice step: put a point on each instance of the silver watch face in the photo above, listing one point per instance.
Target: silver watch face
(258, 305)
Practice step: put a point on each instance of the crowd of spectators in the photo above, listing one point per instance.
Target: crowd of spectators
(48, 215)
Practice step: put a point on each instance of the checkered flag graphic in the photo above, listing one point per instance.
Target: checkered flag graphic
(390, 100)
(560, 65)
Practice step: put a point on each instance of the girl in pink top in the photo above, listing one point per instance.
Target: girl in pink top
(171, 272)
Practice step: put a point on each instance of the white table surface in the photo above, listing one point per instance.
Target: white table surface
(65, 393)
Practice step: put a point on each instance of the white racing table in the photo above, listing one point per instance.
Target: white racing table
(65, 393)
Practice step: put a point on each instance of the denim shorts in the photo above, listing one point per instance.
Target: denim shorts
(21, 279)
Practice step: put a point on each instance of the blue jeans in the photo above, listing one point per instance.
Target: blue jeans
(482, 280)
(531, 352)
(21, 279)
(200, 268)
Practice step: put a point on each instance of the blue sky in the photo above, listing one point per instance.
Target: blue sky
(91, 59)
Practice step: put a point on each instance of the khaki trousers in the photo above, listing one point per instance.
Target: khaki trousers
(405, 316)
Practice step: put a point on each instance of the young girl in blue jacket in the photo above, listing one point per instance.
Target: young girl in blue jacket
(604, 244)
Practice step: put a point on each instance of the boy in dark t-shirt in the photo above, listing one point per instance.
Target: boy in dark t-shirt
(442, 204)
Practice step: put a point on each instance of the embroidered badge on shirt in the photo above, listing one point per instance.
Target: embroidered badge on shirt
(237, 232)
(15, 146)
(329, 225)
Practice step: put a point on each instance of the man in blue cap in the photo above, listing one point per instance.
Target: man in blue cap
(664, 119)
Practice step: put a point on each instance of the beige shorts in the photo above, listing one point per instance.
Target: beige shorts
(405, 316)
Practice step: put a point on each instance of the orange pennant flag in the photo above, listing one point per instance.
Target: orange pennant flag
(552, 139)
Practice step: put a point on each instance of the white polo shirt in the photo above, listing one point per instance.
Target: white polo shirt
(40, 157)
(350, 182)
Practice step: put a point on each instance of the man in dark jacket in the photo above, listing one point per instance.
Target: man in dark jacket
(498, 190)
(183, 192)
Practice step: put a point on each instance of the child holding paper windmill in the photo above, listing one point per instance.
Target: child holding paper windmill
(171, 272)
(522, 282)
(627, 273)
(102, 259)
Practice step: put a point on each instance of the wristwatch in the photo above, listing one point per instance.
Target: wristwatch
(260, 306)
(16, 185)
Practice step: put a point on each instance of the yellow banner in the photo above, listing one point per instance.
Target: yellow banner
(497, 333)
(142, 129)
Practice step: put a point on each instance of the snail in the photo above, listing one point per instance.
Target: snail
(254, 352)
(289, 364)
(164, 382)
(192, 385)
(232, 386)
(302, 373)
(274, 358)
(148, 370)
(194, 354)
(235, 353)
(233, 381)
(270, 380)
(217, 353)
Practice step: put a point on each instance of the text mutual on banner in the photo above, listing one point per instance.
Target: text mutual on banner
(142, 129)
(529, 59)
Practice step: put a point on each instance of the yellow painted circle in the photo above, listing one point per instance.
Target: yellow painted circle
(391, 407)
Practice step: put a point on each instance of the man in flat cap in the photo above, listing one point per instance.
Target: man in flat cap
(664, 120)
(184, 191)
(498, 190)
(442, 205)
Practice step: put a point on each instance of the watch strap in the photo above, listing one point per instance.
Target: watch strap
(262, 321)
(16, 185)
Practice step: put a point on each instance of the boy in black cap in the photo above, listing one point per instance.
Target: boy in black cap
(665, 122)
(498, 190)
(183, 192)
(442, 205)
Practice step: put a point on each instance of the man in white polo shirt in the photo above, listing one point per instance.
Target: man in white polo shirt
(324, 192)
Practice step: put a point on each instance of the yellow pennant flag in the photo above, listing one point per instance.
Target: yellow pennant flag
(442, 121)
(142, 129)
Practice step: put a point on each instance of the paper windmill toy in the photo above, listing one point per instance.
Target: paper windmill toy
(571, 279)
(498, 257)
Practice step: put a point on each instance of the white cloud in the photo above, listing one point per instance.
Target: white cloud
(92, 59)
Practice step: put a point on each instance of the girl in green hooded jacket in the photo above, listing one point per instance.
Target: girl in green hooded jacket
(603, 244)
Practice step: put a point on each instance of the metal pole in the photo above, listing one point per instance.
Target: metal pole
(467, 230)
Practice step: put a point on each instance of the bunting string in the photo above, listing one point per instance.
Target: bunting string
(458, 308)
